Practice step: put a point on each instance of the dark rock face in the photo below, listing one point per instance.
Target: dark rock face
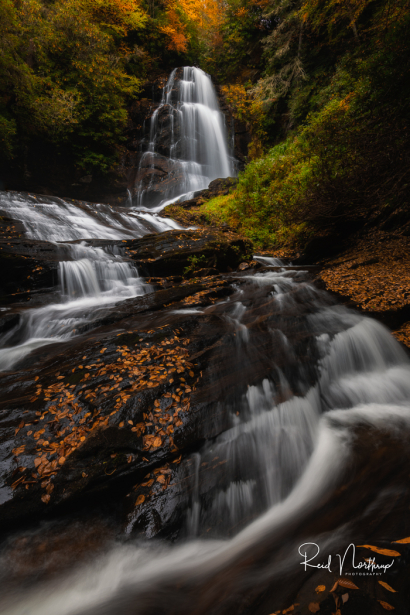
(172, 252)
(238, 131)
(27, 266)
(84, 422)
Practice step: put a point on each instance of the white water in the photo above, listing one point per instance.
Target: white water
(290, 454)
(90, 278)
(198, 151)
(287, 448)
(93, 277)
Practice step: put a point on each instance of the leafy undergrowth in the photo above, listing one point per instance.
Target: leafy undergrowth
(349, 157)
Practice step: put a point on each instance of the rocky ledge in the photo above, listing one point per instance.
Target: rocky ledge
(83, 422)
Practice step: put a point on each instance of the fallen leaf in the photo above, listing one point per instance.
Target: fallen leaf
(148, 483)
(156, 442)
(140, 499)
(103, 350)
(387, 586)
(403, 541)
(320, 588)
(314, 607)
(290, 609)
(17, 482)
(345, 597)
(19, 450)
(60, 461)
(45, 498)
(161, 479)
(386, 605)
(334, 587)
(346, 583)
(389, 552)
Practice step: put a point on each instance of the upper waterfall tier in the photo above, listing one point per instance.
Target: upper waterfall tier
(187, 146)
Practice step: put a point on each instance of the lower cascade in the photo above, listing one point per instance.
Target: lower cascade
(206, 426)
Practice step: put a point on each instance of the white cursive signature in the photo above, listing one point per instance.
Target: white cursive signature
(369, 564)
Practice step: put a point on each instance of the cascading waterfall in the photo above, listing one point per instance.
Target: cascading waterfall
(197, 154)
(289, 437)
(282, 458)
(196, 150)
(89, 277)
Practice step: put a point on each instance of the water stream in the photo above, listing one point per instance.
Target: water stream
(290, 436)
(89, 277)
(92, 277)
(194, 150)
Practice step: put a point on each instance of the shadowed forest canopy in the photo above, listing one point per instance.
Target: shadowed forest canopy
(322, 84)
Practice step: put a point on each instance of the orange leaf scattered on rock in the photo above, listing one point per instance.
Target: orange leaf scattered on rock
(403, 541)
(388, 552)
(387, 586)
(386, 605)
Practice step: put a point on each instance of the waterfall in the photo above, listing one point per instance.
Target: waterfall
(283, 460)
(89, 278)
(334, 385)
(187, 146)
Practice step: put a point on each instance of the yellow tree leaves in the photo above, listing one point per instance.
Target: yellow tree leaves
(187, 16)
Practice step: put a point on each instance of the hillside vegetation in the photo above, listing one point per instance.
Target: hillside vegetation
(322, 84)
(332, 139)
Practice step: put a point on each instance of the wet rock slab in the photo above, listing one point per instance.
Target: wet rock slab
(170, 253)
(89, 423)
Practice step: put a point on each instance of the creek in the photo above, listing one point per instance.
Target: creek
(295, 429)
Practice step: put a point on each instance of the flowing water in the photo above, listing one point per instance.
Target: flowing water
(196, 148)
(89, 277)
(290, 438)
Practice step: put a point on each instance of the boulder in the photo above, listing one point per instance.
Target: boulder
(173, 252)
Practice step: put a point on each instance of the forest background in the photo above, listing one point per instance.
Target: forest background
(322, 84)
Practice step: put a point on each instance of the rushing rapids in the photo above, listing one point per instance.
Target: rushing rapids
(290, 425)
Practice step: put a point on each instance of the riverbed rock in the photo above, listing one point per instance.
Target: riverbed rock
(27, 267)
(179, 252)
(83, 422)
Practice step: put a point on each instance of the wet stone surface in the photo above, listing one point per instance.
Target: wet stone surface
(128, 403)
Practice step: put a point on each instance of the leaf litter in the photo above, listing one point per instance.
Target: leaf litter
(74, 413)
